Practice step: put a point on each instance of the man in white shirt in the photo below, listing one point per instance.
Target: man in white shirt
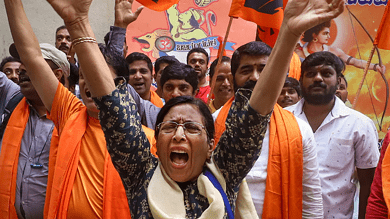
(247, 63)
(346, 139)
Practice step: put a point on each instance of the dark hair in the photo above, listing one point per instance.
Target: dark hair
(254, 48)
(203, 109)
(343, 77)
(322, 58)
(214, 64)
(60, 28)
(293, 83)
(116, 61)
(6, 60)
(164, 59)
(74, 75)
(199, 50)
(308, 35)
(180, 71)
(137, 56)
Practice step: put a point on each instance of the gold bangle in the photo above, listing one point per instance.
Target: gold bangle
(83, 40)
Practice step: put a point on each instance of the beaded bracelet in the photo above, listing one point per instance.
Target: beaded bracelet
(83, 40)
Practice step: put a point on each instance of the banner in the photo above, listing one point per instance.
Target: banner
(347, 35)
(186, 25)
(194, 23)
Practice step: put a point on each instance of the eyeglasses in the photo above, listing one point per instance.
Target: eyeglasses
(190, 128)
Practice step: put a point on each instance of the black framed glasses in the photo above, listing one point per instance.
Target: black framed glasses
(190, 128)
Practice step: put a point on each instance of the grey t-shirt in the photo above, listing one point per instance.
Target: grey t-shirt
(8, 89)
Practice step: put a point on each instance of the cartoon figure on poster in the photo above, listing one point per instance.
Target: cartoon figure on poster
(185, 26)
(325, 37)
(148, 41)
(316, 40)
(185, 32)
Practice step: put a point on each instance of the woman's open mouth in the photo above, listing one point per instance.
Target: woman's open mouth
(179, 158)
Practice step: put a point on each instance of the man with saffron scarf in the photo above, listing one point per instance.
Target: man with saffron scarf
(288, 154)
(82, 180)
(26, 143)
(141, 70)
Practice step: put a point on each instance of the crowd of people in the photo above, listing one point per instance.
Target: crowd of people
(269, 135)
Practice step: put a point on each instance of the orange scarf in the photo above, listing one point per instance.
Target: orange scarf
(63, 167)
(9, 159)
(150, 135)
(386, 175)
(283, 190)
(155, 99)
(295, 67)
(221, 119)
(285, 163)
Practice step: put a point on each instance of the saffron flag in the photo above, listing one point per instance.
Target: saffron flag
(382, 39)
(267, 35)
(158, 5)
(220, 40)
(265, 13)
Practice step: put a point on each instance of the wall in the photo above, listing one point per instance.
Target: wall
(44, 21)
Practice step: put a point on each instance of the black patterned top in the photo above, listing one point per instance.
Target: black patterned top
(237, 150)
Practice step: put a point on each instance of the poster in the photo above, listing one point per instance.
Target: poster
(349, 36)
(193, 23)
(188, 24)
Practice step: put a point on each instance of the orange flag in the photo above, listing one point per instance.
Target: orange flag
(220, 40)
(265, 13)
(382, 39)
(267, 35)
(158, 5)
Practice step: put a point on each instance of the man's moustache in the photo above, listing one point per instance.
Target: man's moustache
(63, 47)
(249, 84)
(321, 85)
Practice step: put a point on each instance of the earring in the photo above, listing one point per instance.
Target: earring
(315, 40)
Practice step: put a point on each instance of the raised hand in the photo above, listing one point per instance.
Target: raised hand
(71, 11)
(124, 14)
(301, 15)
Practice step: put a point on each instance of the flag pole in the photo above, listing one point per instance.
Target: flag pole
(375, 47)
(219, 60)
